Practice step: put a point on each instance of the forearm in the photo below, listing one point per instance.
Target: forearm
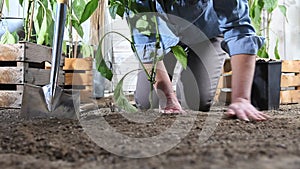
(162, 79)
(242, 76)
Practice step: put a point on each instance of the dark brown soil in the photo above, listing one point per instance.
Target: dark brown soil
(54, 143)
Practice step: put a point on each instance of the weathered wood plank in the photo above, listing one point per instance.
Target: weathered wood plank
(41, 77)
(86, 96)
(291, 66)
(225, 96)
(78, 64)
(10, 99)
(12, 52)
(37, 53)
(227, 66)
(290, 96)
(290, 80)
(79, 78)
(11, 75)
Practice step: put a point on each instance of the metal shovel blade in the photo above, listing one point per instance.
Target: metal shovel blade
(50, 100)
(65, 103)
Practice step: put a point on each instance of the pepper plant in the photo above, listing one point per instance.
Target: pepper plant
(146, 24)
(39, 21)
(259, 9)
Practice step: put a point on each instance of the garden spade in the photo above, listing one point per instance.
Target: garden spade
(51, 100)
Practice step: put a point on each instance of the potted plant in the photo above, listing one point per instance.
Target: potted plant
(266, 83)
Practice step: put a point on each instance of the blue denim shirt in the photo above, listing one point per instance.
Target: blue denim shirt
(212, 17)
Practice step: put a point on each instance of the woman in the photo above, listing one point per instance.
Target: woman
(216, 19)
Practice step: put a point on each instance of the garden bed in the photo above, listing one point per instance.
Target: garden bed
(53, 143)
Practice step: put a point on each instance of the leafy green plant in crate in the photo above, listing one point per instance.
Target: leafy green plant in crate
(261, 14)
(147, 24)
(39, 21)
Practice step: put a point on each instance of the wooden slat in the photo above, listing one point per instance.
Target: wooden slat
(78, 64)
(290, 96)
(290, 80)
(291, 66)
(10, 99)
(225, 97)
(37, 53)
(11, 52)
(227, 80)
(227, 66)
(26, 51)
(11, 75)
(41, 77)
(79, 78)
(85, 96)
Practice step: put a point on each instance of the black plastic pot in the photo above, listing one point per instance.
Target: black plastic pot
(266, 85)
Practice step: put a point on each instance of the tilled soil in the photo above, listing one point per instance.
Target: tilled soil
(64, 143)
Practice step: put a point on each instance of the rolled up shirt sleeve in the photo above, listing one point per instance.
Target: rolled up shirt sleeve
(235, 24)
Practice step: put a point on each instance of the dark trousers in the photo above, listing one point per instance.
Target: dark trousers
(196, 85)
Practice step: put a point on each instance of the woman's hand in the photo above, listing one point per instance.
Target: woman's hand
(244, 110)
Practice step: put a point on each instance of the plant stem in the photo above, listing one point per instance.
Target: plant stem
(1, 7)
(154, 63)
(269, 17)
(70, 54)
(31, 22)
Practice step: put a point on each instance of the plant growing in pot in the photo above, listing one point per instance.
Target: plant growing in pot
(266, 83)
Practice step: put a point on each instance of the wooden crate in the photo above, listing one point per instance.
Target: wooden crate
(19, 64)
(79, 76)
(290, 83)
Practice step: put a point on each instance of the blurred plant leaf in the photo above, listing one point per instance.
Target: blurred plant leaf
(76, 25)
(87, 50)
(78, 8)
(101, 64)
(262, 52)
(9, 38)
(270, 5)
(180, 55)
(120, 98)
(89, 9)
(276, 52)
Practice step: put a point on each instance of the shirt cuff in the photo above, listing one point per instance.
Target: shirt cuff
(242, 45)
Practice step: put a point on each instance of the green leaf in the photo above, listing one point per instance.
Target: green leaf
(78, 27)
(101, 65)
(180, 55)
(44, 27)
(64, 47)
(78, 8)
(270, 5)
(262, 52)
(38, 19)
(50, 32)
(120, 98)
(16, 36)
(276, 52)
(87, 50)
(8, 38)
(20, 2)
(89, 10)
(113, 11)
(283, 10)
(7, 4)
(116, 8)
